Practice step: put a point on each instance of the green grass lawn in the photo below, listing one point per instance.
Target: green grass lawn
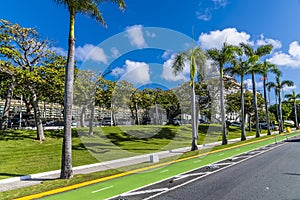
(21, 153)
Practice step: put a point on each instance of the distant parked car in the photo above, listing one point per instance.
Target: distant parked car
(146, 120)
(25, 120)
(265, 126)
(202, 121)
(238, 124)
(107, 121)
(176, 122)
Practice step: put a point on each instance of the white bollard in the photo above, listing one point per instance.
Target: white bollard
(154, 158)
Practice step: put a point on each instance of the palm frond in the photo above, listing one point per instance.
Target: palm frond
(264, 50)
(178, 63)
(287, 83)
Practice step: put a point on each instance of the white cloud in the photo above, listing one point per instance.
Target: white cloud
(167, 73)
(167, 54)
(149, 34)
(134, 72)
(118, 71)
(115, 52)
(248, 84)
(136, 37)
(59, 51)
(292, 59)
(215, 39)
(263, 41)
(204, 12)
(90, 52)
(289, 89)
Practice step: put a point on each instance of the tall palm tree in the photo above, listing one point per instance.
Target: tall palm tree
(89, 8)
(265, 68)
(197, 59)
(278, 86)
(221, 57)
(240, 68)
(254, 56)
(293, 97)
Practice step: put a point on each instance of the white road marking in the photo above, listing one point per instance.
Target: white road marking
(103, 189)
(229, 163)
(187, 175)
(164, 171)
(221, 154)
(144, 192)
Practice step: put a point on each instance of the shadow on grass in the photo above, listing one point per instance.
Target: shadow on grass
(118, 138)
(11, 175)
(41, 179)
(31, 134)
(209, 128)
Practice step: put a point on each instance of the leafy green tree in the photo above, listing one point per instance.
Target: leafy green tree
(234, 105)
(278, 85)
(84, 92)
(197, 59)
(26, 52)
(254, 68)
(53, 72)
(221, 57)
(292, 98)
(170, 102)
(89, 8)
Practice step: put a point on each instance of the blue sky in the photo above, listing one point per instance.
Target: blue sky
(142, 60)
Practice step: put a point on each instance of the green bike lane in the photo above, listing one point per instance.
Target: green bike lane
(111, 186)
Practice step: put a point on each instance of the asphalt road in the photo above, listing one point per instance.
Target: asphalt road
(273, 175)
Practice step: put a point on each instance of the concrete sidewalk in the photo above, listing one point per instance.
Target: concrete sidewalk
(33, 179)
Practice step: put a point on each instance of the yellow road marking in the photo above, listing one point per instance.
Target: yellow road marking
(72, 187)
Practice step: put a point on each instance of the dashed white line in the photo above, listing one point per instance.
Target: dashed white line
(103, 189)
(164, 171)
(221, 154)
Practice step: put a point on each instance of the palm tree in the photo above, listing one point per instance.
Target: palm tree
(266, 67)
(278, 86)
(254, 56)
(89, 8)
(197, 59)
(240, 68)
(293, 97)
(221, 57)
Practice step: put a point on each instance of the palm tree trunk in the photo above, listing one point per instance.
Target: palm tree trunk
(255, 106)
(266, 107)
(66, 164)
(280, 113)
(224, 139)
(243, 134)
(296, 118)
(194, 122)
